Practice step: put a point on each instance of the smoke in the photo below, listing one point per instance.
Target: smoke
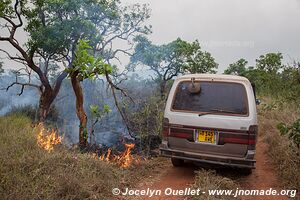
(110, 128)
(95, 92)
(10, 99)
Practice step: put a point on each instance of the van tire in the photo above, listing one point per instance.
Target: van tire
(246, 171)
(177, 162)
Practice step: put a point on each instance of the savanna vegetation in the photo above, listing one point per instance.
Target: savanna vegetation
(28, 172)
(69, 57)
(278, 86)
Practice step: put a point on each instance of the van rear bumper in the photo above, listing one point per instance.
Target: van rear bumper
(207, 158)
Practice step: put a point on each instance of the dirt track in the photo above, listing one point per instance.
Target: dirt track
(263, 177)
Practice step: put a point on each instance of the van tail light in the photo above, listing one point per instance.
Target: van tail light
(247, 137)
(165, 128)
(253, 133)
(182, 133)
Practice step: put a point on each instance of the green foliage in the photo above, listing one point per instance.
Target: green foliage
(6, 8)
(292, 131)
(194, 59)
(146, 122)
(237, 68)
(270, 76)
(270, 62)
(86, 65)
(99, 113)
(55, 26)
(85, 133)
(172, 59)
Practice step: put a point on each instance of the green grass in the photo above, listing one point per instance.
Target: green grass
(29, 172)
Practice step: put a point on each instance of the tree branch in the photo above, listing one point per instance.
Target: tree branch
(123, 115)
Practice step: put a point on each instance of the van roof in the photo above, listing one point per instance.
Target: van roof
(213, 76)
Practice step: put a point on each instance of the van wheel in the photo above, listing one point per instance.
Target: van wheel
(246, 171)
(177, 162)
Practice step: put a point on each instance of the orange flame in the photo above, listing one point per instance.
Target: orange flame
(124, 160)
(47, 139)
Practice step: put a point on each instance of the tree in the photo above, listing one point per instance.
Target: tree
(196, 60)
(99, 22)
(163, 60)
(271, 62)
(12, 16)
(85, 66)
(54, 29)
(169, 60)
(237, 68)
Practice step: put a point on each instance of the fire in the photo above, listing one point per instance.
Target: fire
(124, 160)
(47, 139)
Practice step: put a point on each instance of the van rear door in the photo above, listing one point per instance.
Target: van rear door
(213, 121)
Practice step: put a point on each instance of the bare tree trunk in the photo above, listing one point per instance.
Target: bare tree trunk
(163, 84)
(83, 134)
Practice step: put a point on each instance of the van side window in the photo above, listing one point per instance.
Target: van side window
(223, 97)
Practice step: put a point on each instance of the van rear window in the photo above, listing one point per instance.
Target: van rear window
(215, 97)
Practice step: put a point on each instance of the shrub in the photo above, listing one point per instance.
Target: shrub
(284, 154)
(146, 123)
(292, 131)
(31, 112)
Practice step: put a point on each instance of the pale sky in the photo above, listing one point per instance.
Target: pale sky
(228, 29)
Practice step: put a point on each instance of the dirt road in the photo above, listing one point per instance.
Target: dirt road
(263, 177)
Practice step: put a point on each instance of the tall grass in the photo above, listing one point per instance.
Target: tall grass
(28, 172)
(284, 155)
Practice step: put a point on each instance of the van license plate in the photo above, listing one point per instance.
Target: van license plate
(206, 136)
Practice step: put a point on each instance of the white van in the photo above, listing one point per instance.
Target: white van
(212, 119)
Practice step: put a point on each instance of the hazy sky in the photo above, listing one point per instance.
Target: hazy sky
(229, 29)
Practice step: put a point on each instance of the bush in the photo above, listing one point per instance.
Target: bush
(292, 131)
(284, 154)
(146, 123)
(31, 112)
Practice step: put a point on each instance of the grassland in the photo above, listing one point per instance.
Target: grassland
(29, 172)
(283, 154)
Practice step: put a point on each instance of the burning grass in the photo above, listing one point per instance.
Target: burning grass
(47, 138)
(124, 160)
(27, 171)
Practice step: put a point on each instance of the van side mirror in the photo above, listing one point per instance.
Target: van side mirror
(257, 101)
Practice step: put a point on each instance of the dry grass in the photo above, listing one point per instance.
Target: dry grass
(282, 153)
(210, 180)
(28, 172)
